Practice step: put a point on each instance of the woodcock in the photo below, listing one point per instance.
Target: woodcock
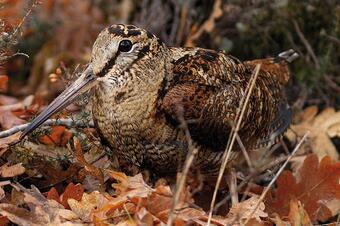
(143, 90)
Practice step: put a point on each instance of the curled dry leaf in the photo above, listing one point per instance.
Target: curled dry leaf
(322, 127)
(315, 185)
(11, 171)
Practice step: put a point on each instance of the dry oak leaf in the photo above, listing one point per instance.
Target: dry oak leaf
(128, 194)
(85, 207)
(41, 211)
(242, 210)
(156, 207)
(322, 127)
(315, 185)
(11, 171)
(59, 136)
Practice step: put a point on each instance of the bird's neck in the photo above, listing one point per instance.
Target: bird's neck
(133, 102)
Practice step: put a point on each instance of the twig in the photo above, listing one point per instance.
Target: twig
(34, 4)
(266, 190)
(333, 39)
(192, 151)
(227, 152)
(306, 44)
(51, 122)
(233, 187)
(332, 84)
(208, 25)
(244, 152)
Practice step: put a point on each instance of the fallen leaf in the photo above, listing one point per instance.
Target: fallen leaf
(3, 83)
(59, 136)
(241, 211)
(9, 120)
(11, 171)
(6, 141)
(40, 211)
(130, 186)
(322, 127)
(279, 222)
(72, 192)
(314, 185)
(90, 169)
(53, 194)
(84, 208)
(4, 220)
(297, 214)
(2, 192)
(8, 100)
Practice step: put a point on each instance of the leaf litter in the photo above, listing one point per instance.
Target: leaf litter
(303, 195)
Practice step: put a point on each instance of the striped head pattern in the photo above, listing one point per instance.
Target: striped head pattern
(119, 47)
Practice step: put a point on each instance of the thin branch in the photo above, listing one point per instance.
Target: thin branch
(333, 39)
(266, 190)
(306, 44)
(244, 152)
(51, 122)
(192, 151)
(34, 4)
(227, 152)
(233, 187)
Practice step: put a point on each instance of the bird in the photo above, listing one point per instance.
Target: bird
(143, 91)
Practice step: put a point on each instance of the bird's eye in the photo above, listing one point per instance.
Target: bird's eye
(125, 46)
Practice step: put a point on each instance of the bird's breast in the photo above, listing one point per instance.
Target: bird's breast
(129, 119)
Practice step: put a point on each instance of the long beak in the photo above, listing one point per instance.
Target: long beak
(81, 85)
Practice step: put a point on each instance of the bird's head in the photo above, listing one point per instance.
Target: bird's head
(117, 49)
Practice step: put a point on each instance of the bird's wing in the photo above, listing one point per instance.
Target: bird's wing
(206, 88)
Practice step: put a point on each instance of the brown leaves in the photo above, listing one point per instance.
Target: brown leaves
(71, 192)
(6, 141)
(3, 83)
(314, 185)
(299, 200)
(322, 127)
(41, 211)
(9, 116)
(11, 171)
(243, 209)
(297, 214)
(59, 136)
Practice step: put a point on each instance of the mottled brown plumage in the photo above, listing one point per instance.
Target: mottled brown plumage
(140, 93)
